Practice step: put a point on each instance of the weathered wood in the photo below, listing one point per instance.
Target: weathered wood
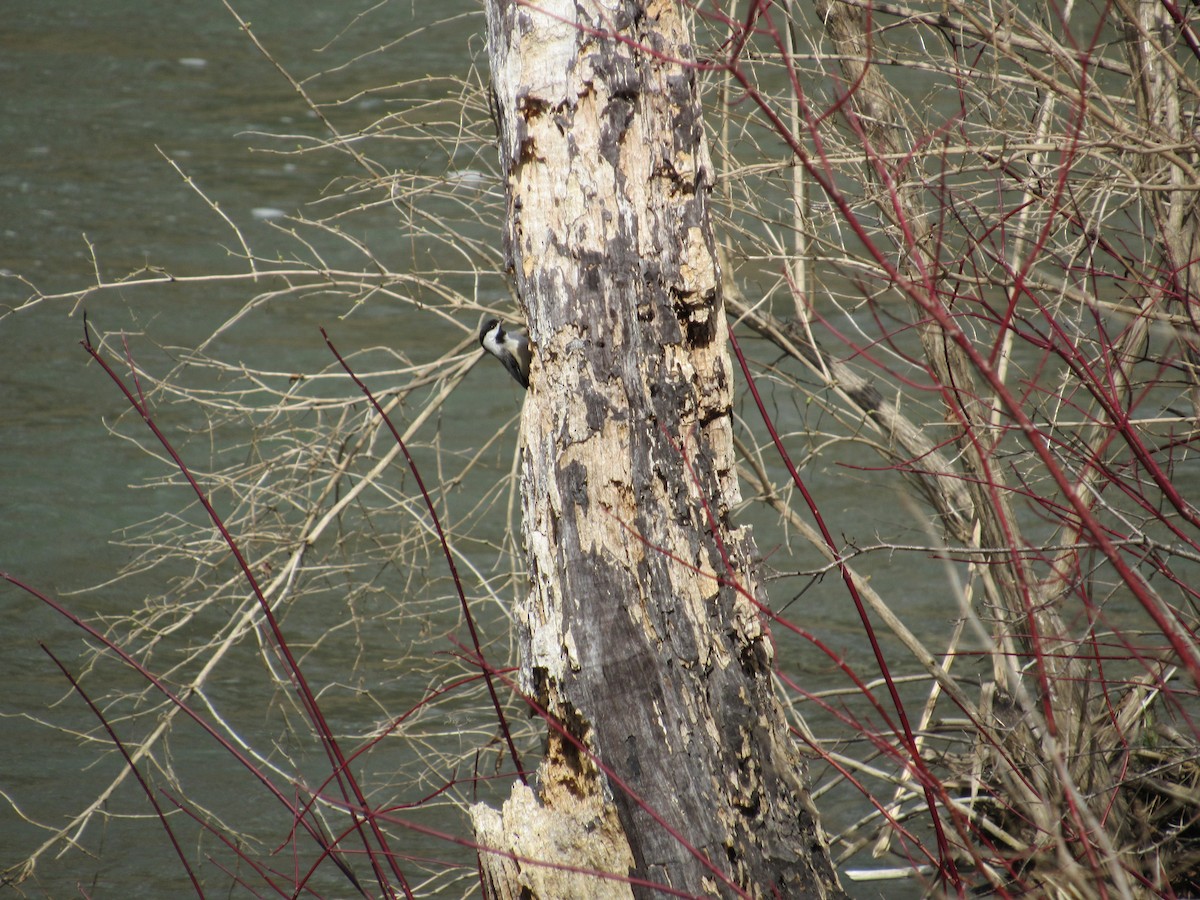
(641, 634)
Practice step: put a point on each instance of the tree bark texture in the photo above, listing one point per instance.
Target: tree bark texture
(641, 635)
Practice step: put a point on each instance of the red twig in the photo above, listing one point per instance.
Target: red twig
(946, 859)
(162, 818)
(346, 780)
(501, 719)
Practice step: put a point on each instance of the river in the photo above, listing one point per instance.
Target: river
(133, 134)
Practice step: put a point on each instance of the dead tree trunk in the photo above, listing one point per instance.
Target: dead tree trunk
(641, 635)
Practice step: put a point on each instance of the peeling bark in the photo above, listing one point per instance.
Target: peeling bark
(641, 634)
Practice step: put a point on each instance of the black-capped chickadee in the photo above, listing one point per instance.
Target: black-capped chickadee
(510, 347)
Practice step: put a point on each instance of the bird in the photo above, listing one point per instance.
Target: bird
(510, 347)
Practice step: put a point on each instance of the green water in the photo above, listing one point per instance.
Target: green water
(98, 101)
(96, 97)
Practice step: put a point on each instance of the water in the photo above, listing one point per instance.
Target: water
(98, 100)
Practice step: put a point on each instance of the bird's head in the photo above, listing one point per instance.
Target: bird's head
(490, 325)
